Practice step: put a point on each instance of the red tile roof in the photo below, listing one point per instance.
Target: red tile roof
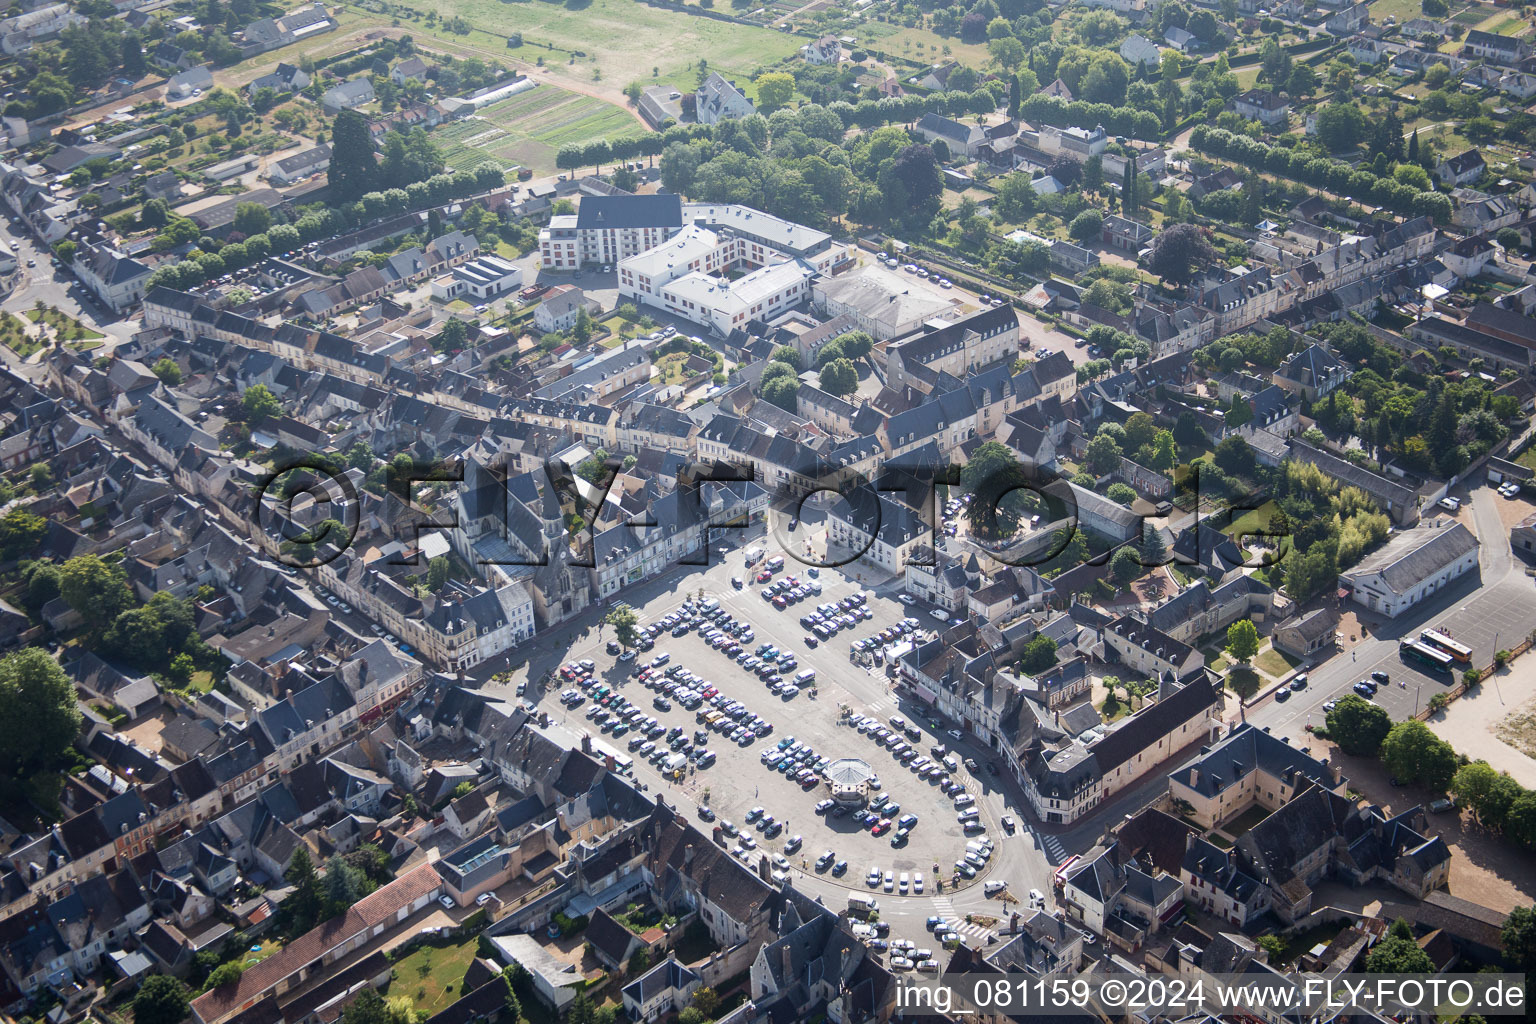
(374, 909)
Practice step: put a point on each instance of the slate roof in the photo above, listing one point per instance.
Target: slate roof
(1246, 750)
(639, 211)
(1412, 556)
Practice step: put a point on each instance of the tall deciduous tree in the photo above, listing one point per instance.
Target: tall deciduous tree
(1242, 641)
(95, 590)
(161, 999)
(1179, 251)
(39, 719)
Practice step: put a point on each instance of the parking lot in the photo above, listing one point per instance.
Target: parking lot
(738, 782)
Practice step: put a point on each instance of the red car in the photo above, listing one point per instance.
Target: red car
(764, 576)
(780, 603)
(881, 827)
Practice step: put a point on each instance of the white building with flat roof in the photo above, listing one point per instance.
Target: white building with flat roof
(683, 275)
(483, 277)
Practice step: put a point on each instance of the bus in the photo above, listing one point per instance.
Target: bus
(1434, 638)
(1431, 656)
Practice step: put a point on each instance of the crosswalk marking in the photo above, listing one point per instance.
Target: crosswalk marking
(974, 930)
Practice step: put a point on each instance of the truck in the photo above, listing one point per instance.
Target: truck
(859, 903)
(532, 292)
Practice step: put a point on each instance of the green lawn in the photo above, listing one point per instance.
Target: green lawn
(431, 975)
(1243, 681)
(67, 326)
(624, 40)
(23, 345)
(1254, 521)
(1275, 663)
(530, 128)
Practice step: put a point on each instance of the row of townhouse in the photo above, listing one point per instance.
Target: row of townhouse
(1240, 300)
(309, 348)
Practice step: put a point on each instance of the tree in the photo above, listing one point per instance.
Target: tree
(167, 370)
(788, 356)
(1086, 226)
(706, 1001)
(1398, 955)
(353, 169)
(1125, 565)
(1179, 251)
(839, 377)
(639, 962)
(455, 334)
(1274, 945)
(1413, 753)
(1341, 126)
(779, 385)
(1103, 454)
(774, 90)
(1519, 934)
(303, 907)
(1242, 641)
(581, 330)
(20, 532)
(39, 719)
(1121, 494)
(259, 404)
(916, 171)
(95, 590)
(368, 1008)
(161, 999)
(228, 971)
(344, 886)
(1471, 785)
(437, 573)
(1016, 198)
(1302, 82)
(1358, 726)
(623, 620)
(252, 218)
(1165, 453)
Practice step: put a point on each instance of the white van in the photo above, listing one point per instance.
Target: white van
(859, 903)
(776, 563)
(994, 887)
(623, 765)
(964, 800)
(804, 676)
(862, 931)
(753, 554)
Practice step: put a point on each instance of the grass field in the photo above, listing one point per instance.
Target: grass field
(1503, 24)
(920, 44)
(530, 128)
(1254, 521)
(624, 39)
(1274, 662)
(431, 976)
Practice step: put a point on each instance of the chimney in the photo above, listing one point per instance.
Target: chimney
(688, 855)
(586, 743)
(784, 961)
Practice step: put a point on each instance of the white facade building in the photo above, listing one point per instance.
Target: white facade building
(1411, 566)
